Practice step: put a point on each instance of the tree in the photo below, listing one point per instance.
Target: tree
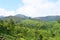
(58, 20)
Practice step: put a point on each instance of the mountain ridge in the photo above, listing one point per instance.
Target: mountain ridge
(20, 16)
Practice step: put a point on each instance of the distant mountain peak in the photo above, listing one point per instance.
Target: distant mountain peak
(1, 16)
(20, 15)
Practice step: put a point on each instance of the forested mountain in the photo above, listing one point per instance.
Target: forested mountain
(20, 27)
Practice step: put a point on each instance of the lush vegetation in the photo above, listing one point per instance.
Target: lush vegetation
(29, 30)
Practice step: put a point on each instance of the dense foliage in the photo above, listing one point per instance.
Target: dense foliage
(29, 30)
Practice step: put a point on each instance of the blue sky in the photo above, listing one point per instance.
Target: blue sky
(32, 8)
(10, 4)
(52, 0)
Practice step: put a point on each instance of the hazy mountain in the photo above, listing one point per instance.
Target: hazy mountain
(47, 18)
(17, 17)
(1, 16)
(23, 17)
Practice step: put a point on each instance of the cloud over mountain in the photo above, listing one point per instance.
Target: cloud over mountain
(35, 8)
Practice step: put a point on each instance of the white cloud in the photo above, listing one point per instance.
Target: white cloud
(35, 8)
(4, 12)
